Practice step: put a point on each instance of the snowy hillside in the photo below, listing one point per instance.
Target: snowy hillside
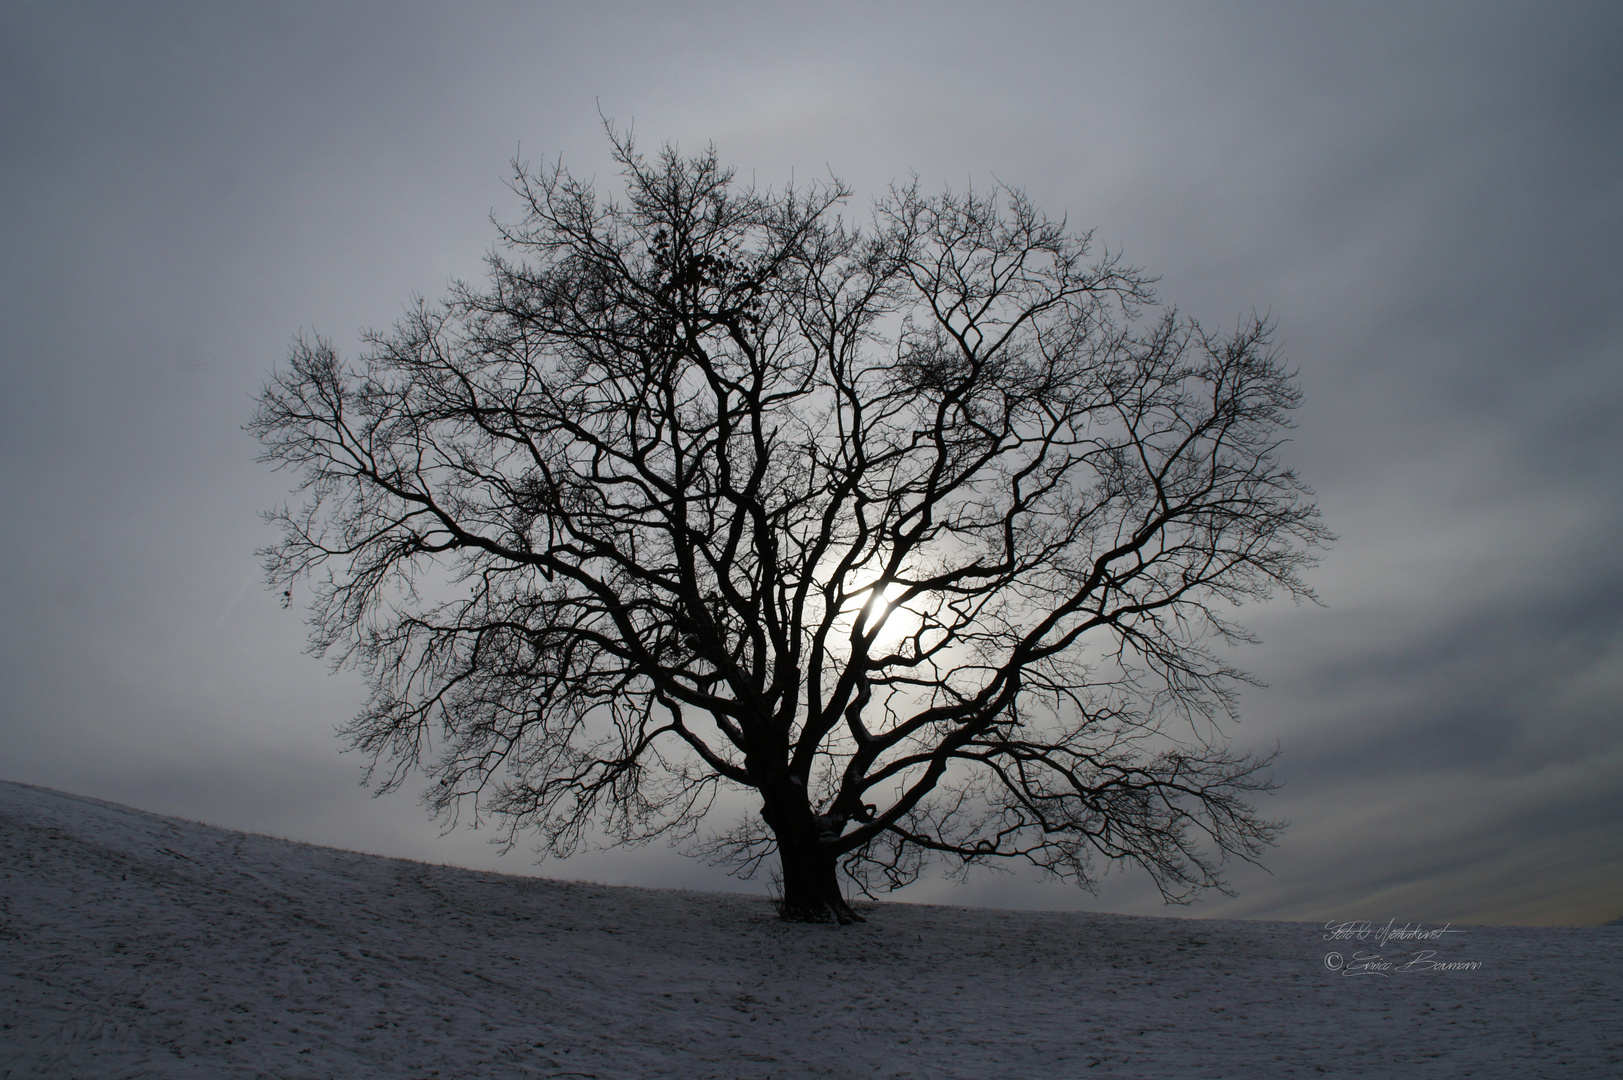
(133, 945)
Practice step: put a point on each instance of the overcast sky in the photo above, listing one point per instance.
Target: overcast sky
(1428, 198)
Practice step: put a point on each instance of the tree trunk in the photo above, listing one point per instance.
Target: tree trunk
(811, 883)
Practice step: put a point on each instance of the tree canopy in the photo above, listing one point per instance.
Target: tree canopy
(921, 528)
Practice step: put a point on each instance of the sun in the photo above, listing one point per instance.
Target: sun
(894, 621)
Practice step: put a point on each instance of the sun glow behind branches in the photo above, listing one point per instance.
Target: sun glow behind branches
(894, 622)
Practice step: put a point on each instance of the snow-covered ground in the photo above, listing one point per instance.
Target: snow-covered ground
(133, 945)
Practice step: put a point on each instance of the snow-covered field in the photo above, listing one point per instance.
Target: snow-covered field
(133, 945)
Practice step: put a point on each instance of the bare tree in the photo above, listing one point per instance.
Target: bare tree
(919, 530)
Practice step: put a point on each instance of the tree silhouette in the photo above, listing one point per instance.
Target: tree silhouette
(919, 530)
